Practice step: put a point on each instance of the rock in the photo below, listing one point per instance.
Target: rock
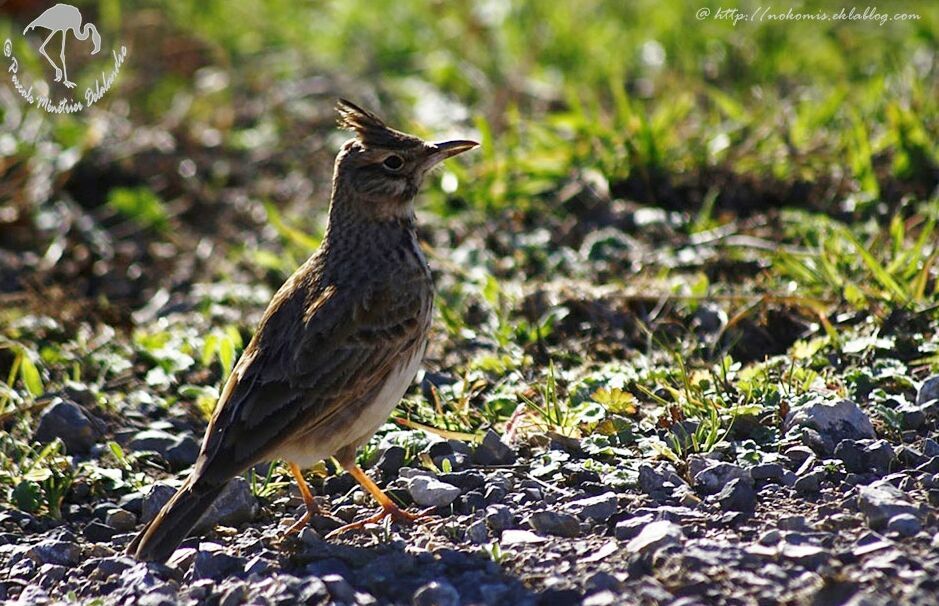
(154, 440)
(178, 451)
(339, 588)
(834, 422)
(391, 460)
(555, 523)
(51, 551)
(770, 537)
(477, 532)
(437, 593)
(154, 501)
(809, 556)
(121, 520)
(600, 508)
(96, 532)
(493, 451)
(655, 536)
(737, 495)
(658, 482)
(428, 491)
(881, 501)
(630, 527)
(928, 391)
(183, 453)
(880, 456)
(69, 422)
(212, 562)
(904, 524)
(770, 472)
(810, 483)
(259, 565)
(499, 517)
(236, 505)
(464, 480)
(798, 455)
(714, 478)
(851, 453)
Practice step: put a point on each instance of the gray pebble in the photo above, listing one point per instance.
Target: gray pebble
(437, 593)
(904, 524)
(555, 523)
(428, 491)
(69, 422)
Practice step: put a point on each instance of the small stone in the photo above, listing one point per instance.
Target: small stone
(658, 482)
(851, 453)
(154, 440)
(428, 491)
(96, 532)
(809, 556)
(880, 456)
(51, 551)
(339, 588)
(655, 536)
(834, 422)
(737, 495)
(881, 501)
(928, 391)
(770, 472)
(499, 517)
(234, 595)
(183, 453)
(493, 451)
(904, 524)
(603, 581)
(121, 520)
(158, 496)
(770, 537)
(798, 455)
(437, 593)
(235, 505)
(259, 565)
(477, 532)
(810, 483)
(391, 460)
(555, 523)
(631, 527)
(602, 598)
(69, 422)
(714, 478)
(211, 562)
(600, 508)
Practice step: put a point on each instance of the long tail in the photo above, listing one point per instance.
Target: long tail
(157, 541)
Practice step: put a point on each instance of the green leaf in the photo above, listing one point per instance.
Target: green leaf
(30, 375)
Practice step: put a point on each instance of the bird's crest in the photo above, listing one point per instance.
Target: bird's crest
(370, 129)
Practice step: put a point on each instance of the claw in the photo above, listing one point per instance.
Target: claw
(399, 515)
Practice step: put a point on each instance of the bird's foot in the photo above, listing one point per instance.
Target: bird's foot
(69, 84)
(393, 511)
(58, 75)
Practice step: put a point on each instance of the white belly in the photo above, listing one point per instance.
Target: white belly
(320, 445)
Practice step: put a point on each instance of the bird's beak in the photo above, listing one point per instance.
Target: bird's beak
(438, 152)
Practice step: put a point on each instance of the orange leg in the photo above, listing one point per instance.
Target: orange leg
(388, 507)
(311, 506)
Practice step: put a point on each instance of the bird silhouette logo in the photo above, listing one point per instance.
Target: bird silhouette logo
(64, 18)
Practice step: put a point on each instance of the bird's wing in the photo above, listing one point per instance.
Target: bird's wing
(316, 351)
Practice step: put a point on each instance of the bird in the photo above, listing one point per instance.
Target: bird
(338, 345)
(64, 18)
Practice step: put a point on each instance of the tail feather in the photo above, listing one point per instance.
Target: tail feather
(157, 541)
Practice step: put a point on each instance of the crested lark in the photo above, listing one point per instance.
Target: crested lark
(339, 343)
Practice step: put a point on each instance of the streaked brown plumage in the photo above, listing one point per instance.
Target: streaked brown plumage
(339, 343)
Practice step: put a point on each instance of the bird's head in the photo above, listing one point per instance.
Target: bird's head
(382, 169)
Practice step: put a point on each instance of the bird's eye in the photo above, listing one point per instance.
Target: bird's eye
(393, 162)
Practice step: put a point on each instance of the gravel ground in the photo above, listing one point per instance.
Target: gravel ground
(837, 516)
